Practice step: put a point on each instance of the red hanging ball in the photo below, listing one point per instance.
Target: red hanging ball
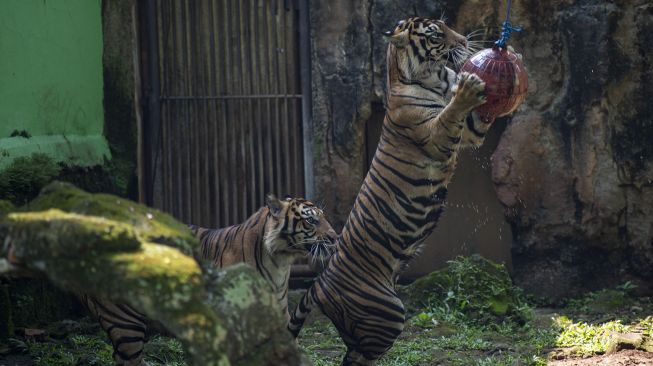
(506, 80)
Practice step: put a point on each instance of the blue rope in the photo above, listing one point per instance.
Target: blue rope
(507, 29)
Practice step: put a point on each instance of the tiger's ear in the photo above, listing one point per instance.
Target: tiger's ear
(399, 39)
(274, 205)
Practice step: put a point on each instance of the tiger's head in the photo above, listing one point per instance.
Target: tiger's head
(419, 44)
(297, 227)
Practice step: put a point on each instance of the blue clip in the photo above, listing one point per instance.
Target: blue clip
(505, 34)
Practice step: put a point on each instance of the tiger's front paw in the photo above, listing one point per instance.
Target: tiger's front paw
(468, 93)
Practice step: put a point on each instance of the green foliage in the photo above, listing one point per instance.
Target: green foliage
(469, 288)
(588, 339)
(24, 177)
(94, 349)
(74, 350)
(22, 180)
(163, 351)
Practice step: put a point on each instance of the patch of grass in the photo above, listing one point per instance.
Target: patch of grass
(76, 349)
(447, 344)
(590, 339)
(454, 326)
(468, 289)
(22, 179)
(164, 351)
(95, 350)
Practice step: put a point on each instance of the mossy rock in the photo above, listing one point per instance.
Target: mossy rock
(250, 312)
(110, 259)
(69, 235)
(473, 286)
(122, 252)
(150, 224)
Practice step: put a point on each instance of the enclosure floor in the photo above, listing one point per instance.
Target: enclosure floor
(623, 358)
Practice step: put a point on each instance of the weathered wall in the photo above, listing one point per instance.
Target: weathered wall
(572, 170)
(574, 167)
(51, 89)
(342, 95)
(119, 68)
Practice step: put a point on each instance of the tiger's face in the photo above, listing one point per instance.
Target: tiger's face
(298, 228)
(422, 42)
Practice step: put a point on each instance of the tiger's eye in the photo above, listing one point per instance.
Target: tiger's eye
(312, 221)
(433, 39)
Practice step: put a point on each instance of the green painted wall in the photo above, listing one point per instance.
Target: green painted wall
(51, 80)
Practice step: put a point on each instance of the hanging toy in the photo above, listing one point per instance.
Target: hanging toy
(506, 79)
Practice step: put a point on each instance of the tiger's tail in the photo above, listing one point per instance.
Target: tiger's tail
(302, 310)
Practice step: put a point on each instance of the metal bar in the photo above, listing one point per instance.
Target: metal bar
(269, 174)
(225, 169)
(178, 52)
(232, 122)
(204, 97)
(193, 122)
(206, 193)
(153, 115)
(259, 45)
(277, 135)
(249, 46)
(284, 118)
(206, 79)
(222, 127)
(166, 116)
(244, 106)
(213, 120)
(186, 128)
(307, 115)
(297, 106)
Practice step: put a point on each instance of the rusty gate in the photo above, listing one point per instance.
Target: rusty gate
(226, 115)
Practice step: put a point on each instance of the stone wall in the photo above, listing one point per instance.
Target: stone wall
(572, 170)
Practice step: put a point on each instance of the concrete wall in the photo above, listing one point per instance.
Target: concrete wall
(51, 80)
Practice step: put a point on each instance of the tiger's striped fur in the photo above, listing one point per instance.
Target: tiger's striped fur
(271, 245)
(404, 191)
(269, 240)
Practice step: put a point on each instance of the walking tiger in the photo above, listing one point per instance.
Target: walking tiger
(269, 240)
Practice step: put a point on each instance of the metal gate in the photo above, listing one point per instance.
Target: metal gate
(227, 118)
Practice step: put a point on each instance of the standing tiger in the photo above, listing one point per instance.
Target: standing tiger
(269, 240)
(427, 121)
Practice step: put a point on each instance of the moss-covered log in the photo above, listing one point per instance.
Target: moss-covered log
(118, 250)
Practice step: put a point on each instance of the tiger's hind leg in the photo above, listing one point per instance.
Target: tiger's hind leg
(125, 327)
(355, 358)
(301, 312)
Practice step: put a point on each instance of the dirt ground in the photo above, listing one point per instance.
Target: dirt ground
(623, 358)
